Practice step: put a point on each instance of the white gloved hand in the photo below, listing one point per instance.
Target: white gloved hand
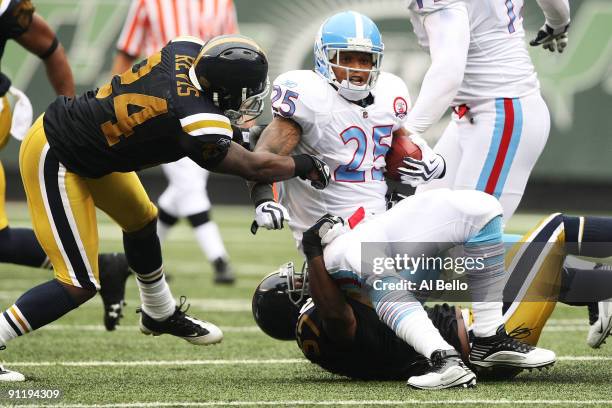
(270, 215)
(431, 166)
(22, 114)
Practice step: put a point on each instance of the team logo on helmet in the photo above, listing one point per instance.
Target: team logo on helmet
(400, 107)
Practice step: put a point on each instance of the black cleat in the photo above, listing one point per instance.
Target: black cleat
(447, 370)
(503, 350)
(114, 271)
(223, 272)
(181, 325)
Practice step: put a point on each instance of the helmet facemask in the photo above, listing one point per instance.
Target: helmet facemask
(297, 283)
(346, 88)
(243, 108)
(348, 31)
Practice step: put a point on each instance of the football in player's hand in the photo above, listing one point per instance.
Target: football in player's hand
(401, 147)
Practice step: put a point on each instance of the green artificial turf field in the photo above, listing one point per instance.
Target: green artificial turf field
(127, 369)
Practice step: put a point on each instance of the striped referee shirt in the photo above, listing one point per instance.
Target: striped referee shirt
(151, 24)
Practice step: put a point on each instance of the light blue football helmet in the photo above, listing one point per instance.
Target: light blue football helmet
(348, 31)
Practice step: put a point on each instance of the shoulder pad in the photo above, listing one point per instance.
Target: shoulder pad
(300, 95)
(428, 6)
(392, 91)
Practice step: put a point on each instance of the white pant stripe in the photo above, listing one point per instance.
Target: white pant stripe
(43, 190)
(73, 226)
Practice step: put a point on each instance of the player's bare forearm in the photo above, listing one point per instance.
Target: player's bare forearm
(337, 315)
(122, 63)
(262, 167)
(39, 40)
(279, 137)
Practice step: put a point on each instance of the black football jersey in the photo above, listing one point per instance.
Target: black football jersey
(151, 114)
(15, 20)
(375, 353)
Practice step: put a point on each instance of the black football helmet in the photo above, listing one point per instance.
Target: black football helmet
(233, 71)
(277, 302)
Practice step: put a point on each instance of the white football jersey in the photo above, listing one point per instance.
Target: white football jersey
(498, 64)
(352, 141)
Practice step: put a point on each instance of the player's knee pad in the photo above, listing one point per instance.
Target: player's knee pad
(198, 219)
(477, 207)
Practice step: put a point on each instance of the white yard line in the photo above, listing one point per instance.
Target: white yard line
(280, 361)
(100, 328)
(406, 402)
(207, 305)
(252, 329)
(145, 363)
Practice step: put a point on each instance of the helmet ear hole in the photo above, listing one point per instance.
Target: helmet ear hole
(273, 310)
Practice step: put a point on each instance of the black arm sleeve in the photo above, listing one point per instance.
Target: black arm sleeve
(16, 19)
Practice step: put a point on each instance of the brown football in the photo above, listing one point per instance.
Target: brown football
(401, 147)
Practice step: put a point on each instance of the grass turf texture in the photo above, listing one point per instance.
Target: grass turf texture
(76, 356)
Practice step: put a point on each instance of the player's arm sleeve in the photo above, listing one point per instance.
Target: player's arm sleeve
(208, 127)
(15, 17)
(134, 31)
(448, 31)
(557, 12)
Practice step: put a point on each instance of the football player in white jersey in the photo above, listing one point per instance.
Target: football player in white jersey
(481, 67)
(347, 112)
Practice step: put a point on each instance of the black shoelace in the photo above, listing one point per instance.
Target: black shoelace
(179, 316)
(520, 332)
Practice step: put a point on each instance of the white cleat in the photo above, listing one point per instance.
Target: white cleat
(601, 327)
(502, 350)
(446, 371)
(10, 376)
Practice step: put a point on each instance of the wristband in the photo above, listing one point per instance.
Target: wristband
(260, 193)
(303, 165)
(311, 246)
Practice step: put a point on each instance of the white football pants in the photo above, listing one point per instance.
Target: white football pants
(186, 192)
(494, 148)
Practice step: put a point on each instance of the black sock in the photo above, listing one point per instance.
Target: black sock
(579, 287)
(143, 250)
(37, 307)
(20, 246)
(588, 236)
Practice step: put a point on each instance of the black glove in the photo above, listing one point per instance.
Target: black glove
(393, 198)
(311, 239)
(306, 163)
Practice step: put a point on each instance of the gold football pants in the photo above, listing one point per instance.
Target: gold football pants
(63, 205)
(5, 128)
(534, 267)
